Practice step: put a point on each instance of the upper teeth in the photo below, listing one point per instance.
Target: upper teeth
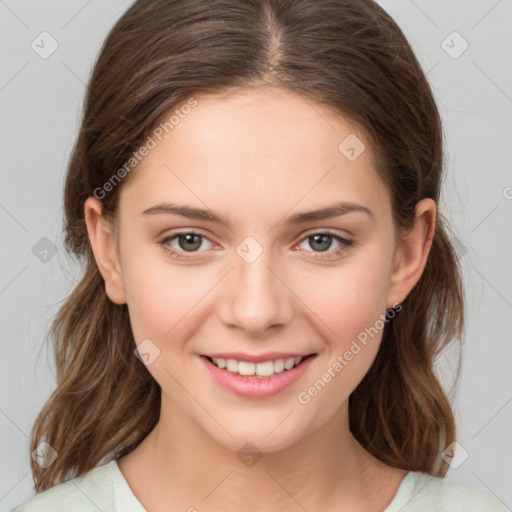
(265, 369)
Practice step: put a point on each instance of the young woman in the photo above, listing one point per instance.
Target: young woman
(267, 277)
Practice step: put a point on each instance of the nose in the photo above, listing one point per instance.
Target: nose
(256, 296)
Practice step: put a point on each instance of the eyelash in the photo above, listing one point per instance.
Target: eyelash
(345, 244)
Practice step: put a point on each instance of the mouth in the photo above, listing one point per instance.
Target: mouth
(263, 376)
(263, 369)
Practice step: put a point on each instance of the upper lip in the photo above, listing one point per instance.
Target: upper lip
(256, 358)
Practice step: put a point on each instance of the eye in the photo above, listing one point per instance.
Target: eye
(321, 242)
(187, 242)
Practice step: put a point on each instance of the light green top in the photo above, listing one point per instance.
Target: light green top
(104, 488)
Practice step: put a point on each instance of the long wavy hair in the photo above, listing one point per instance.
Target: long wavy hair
(346, 54)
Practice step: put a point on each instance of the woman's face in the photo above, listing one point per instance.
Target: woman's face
(269, 283)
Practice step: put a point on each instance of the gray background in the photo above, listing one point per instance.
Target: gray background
(40, 102)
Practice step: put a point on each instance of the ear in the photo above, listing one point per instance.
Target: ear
(412, 252)
(103, 244)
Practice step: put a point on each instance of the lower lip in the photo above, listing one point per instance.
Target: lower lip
(257, 387)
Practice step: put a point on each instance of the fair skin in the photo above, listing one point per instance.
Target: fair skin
(257, 158)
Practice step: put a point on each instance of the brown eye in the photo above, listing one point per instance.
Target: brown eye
(322, 242)
(187, 242)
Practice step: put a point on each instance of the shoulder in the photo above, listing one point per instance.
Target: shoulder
(421, 492)
(89, 492)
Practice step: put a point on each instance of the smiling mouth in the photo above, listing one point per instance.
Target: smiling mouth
(262, 370)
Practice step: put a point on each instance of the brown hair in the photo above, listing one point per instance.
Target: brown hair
(346, 54)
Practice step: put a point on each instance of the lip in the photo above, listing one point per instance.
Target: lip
(252, 386)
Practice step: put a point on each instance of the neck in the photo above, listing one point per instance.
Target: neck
(181, 464)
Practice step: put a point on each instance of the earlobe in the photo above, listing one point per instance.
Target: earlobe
(103, 245)
(412, 252)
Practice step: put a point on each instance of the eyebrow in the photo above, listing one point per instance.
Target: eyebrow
(191, 212)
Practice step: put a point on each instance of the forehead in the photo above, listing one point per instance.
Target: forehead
(261, 147)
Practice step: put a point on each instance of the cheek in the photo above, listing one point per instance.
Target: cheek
(347, 300)
(160, 296)
(350, 305)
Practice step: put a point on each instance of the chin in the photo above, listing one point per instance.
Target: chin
(262, 436)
